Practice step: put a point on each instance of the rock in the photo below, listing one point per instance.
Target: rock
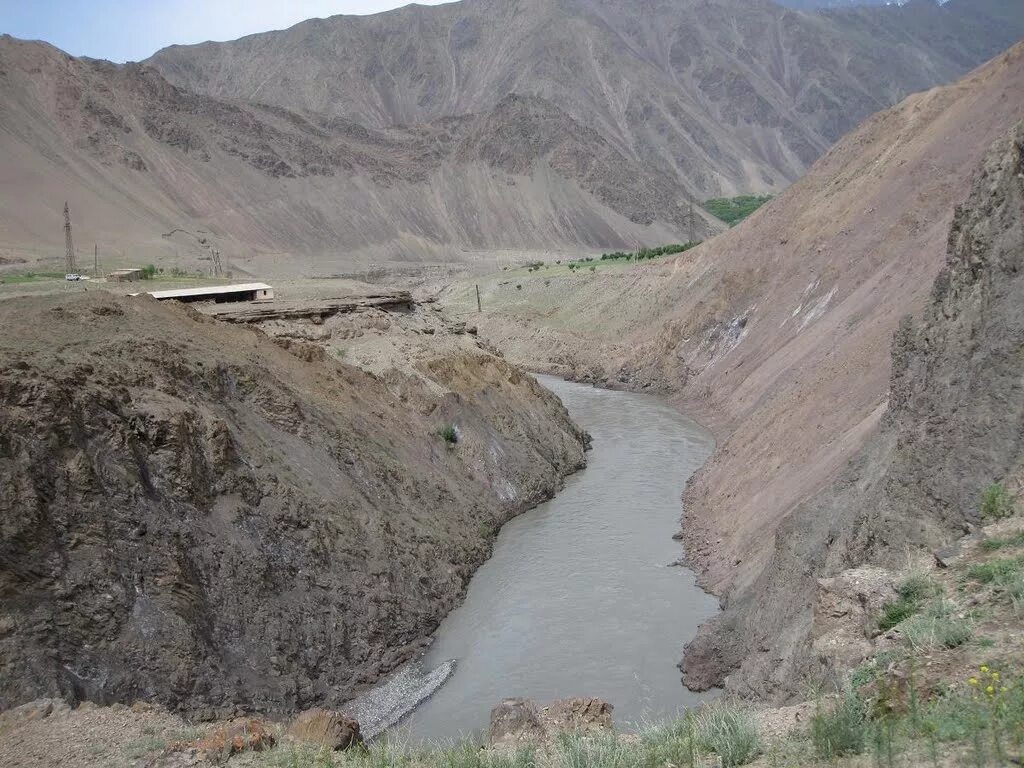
(845, 615)
(326, 728)
(948, 556)
(579, 714)
(515, 721)
(518, 721)
(38, 710)
(243, 735)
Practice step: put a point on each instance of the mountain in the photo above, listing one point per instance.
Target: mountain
(727, 96)
(156, 173)
(451, 133)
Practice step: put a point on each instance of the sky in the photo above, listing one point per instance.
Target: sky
(132, 30)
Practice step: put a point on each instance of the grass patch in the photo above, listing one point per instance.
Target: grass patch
(1000, 571)
(30, 277)
(912, 592)
(145, 746)
(729, 731)
(1003, 542)
(733, 210)
(449, 434)
(937, 627)
(996, 503)
(604, 750)
(839, 731)
(896, 612)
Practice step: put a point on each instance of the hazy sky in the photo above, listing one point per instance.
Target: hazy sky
(131, 30)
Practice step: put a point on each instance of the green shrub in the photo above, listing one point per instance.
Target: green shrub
(895, 612)
(840, 731)
(449, 434)
(729, 731)
(148, 272)
(917, 588)
(733, 210)
(912, 591)
(996, 503)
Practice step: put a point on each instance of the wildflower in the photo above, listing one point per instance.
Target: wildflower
(995, 675)
(990, 690)
(984, 669)
(1003, 689)
(973, 682)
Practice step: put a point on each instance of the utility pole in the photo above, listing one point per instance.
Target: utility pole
(95, 260)
(693, 233)
(69, 248)
(478, 310)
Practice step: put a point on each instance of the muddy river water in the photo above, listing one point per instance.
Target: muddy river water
(579, 597)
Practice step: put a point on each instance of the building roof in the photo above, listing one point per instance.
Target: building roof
(209, 290)
(126, 271)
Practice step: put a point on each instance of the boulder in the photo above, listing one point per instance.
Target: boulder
(515, 721)
(326, 728)
(242, 735)
(579, 714)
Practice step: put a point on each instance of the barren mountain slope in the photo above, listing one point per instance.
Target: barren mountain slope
(954, 424)
(726, 95)
(196, 516)
(276, 192)
(777, 332)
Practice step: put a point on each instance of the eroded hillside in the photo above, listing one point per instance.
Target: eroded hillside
(157, 173)
(196, 515)
(951, 430)
(726, 96)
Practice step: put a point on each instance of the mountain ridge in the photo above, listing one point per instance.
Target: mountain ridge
(729, 96)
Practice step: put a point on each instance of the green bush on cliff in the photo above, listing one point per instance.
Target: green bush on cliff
(996, 503)
(449, 434)
(912, 592)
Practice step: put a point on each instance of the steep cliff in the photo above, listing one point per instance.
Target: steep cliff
(954, 424)
(195, 515)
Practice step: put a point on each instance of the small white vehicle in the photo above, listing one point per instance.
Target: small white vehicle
(71, 277)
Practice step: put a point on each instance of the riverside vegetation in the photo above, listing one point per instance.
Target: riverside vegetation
(733, 210)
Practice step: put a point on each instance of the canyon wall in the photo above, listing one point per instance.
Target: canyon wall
(195, 515)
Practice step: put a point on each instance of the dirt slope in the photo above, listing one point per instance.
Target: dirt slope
(953, 426)
(196, 516)
(155, 173)
(726, 96)
(777, 332)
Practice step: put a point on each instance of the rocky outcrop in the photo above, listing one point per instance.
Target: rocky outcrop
(325, 728)
(194, 515)
(516, 722)
(952, 427)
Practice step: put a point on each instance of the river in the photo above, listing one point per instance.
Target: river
(579, 598)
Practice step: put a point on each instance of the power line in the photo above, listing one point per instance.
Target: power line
(69, 248)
